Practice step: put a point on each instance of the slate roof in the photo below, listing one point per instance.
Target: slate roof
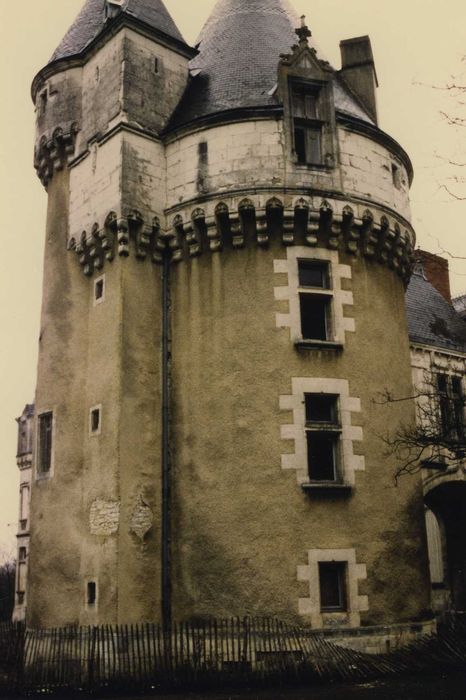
(431, 319)
(91, 21)
(239, 50)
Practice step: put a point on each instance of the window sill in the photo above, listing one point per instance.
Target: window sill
(327, 486)
(318, 345)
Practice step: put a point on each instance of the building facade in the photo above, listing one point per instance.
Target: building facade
(438, 351)
(228, 242)
(24, 464)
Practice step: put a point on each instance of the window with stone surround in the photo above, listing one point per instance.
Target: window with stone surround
(307, 124)
(317, 301)
(332, 586)
(44, 452)
(333, 578)
(323, 432)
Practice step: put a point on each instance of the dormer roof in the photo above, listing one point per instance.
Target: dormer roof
(92, 21)
(237, 65)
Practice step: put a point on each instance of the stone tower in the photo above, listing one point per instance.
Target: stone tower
(228, 242)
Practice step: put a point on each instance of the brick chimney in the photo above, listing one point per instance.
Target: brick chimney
(436, 270)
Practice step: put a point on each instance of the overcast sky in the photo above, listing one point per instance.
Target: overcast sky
(418, 45)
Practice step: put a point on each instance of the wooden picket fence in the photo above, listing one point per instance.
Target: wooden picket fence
(212, 653)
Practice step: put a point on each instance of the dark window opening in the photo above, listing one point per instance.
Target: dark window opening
(95, 420)
(332, 583)
(314, 316)
(321, 408)
(321, 456)
(45, 442)
(313, 273)
(307, 126)
(203, 152)
(43, 102)
(99, 289)
(91, 593)
(396, 176)
(451, 405)
(22, 553)
(156, 65)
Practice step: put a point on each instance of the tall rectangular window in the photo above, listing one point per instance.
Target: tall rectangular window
(45, 442)
(315, 298)
(332, 584)
(451, 406)
(307, 126)
(323, 431)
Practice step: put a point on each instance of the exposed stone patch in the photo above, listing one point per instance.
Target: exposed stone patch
(104, 517)
(142, 519)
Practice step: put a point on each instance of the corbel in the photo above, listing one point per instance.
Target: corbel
(247, 217)
(108, 236)
(95, 248)
(313, 226)
(195, 231)
(288, 237)
(261, 228)
(237, 235)
(213, 234)
(123, 237)
(156, 241)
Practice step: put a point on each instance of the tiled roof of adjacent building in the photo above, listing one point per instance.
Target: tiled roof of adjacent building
(91, 21)
(239, 50)
(431, 319)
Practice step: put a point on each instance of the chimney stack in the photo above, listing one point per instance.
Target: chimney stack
(358, 71)
(436, 271)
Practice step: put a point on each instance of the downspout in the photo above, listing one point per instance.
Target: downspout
(166, 465)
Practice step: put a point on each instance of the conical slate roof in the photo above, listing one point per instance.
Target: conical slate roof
(91, 21)
(239, 50)
(431, 319)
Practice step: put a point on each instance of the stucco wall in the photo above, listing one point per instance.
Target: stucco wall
(243, 524)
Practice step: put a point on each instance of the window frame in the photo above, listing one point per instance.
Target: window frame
(307, 124)
(341, 569)
(329, 430)
(323, 294)
(451, 407)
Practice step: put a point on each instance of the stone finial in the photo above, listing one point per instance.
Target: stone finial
(303, 32)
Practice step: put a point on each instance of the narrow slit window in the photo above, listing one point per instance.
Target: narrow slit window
(45, 442)
(332, 583)
(95, 420)
(91, 593)
(156, 65)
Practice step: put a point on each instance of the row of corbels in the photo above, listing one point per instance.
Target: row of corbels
(55, 152)
(300, 225)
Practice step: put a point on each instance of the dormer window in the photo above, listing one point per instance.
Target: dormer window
(307, 124)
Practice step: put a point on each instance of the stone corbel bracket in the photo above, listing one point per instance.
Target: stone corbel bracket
(251, 221)
(54, 152)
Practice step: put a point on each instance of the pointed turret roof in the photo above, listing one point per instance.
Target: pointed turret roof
(239, 50)
(91, 21)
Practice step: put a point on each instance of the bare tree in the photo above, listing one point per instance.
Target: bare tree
(7, 586)
(437, 437)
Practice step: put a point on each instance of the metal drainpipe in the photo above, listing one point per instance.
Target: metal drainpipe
(166, 466)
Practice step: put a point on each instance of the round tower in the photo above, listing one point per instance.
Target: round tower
(228, 244)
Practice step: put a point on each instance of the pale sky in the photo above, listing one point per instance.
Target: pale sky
(417, 44)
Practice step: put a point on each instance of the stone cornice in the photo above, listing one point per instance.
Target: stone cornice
(110, 30)
(250, 221)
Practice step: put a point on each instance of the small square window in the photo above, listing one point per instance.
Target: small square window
(313, 273)
(315, 311)
(99, 290)
(91, 593)
(321, 408)
(332, 583)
